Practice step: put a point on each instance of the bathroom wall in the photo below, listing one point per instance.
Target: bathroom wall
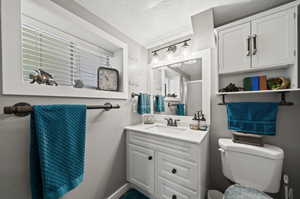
(203, 36)
(105, 168)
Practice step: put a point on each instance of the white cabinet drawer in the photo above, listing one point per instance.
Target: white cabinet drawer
(183, 150)
(168, 190)
(177, 170)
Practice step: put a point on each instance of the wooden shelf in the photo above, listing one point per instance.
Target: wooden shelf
(258, 92)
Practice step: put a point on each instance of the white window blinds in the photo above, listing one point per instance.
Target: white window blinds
(67, 59)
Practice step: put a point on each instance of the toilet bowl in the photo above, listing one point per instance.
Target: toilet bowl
(254, 169)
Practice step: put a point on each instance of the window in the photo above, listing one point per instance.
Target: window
(68, 60)
(40, 35)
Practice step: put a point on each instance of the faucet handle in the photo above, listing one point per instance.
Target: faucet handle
(168, 120)
(175, 121)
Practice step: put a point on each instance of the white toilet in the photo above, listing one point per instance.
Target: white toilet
(254, 169)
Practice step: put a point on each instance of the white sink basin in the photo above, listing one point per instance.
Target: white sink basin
(166, 129)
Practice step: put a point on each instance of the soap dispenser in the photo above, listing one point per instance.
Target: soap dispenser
(195, 124)
(203, 124)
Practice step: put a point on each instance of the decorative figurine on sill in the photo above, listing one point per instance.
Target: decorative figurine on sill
(42, 77)
(231, 88)
(78, 84)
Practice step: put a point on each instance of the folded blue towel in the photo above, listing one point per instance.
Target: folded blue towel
(57, 149)
(143, 106)
(253, 117)
(180, 109)
(159, 104)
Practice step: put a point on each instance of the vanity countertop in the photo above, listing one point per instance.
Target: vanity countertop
(180, 133)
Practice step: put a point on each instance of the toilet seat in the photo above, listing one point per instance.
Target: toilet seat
(239, 192)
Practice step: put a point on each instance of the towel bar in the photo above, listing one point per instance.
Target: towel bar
(282, 102)
(23, 109)
(133, 95)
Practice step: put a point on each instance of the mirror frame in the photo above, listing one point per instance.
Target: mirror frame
(206, 58)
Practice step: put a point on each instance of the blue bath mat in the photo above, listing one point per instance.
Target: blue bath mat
(133, 194)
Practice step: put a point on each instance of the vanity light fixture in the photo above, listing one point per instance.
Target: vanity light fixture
(171, 49)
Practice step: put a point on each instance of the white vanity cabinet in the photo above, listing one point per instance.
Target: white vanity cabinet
(262, 41)
(167, 168)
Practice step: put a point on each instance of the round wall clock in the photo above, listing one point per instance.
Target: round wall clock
(108, 79)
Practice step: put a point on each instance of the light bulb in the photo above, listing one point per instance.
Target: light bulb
(185, 49)
(170, 52)
(155, 59)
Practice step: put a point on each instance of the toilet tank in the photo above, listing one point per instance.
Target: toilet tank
(252, 166)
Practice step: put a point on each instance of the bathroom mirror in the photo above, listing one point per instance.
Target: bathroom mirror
(177, 88)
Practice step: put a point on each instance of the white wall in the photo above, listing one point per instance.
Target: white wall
(105, 168)
(203, 27)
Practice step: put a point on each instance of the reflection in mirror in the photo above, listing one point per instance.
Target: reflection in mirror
(177, 89)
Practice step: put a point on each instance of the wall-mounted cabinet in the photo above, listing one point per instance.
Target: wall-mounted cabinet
(263, 44)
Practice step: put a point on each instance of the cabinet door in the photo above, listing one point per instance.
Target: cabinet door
(273, 40)
(234, 49)
(141, 167)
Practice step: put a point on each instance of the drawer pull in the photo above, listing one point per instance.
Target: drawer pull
(174, 197)
(174, 171)
(150, 158)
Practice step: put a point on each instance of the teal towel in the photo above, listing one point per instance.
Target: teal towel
(143, 106)
(57, 149)
(159, 104)
(133, 194)
(253, 117)
(180, 109)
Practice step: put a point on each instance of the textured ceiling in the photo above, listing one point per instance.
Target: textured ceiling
(227, 13)
(151, 22)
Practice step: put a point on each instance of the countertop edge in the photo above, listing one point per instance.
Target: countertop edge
(139, 128)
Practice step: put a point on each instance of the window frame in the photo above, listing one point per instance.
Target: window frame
(12, 73)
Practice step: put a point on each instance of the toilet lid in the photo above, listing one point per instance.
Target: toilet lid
(239, 192)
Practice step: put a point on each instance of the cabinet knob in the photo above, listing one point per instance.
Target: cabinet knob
(150, 158)
(174, 197)
(174, 171)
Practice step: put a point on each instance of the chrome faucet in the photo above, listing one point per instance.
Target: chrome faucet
(172, 122)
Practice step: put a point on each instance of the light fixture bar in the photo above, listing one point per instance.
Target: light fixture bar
(166, 47)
